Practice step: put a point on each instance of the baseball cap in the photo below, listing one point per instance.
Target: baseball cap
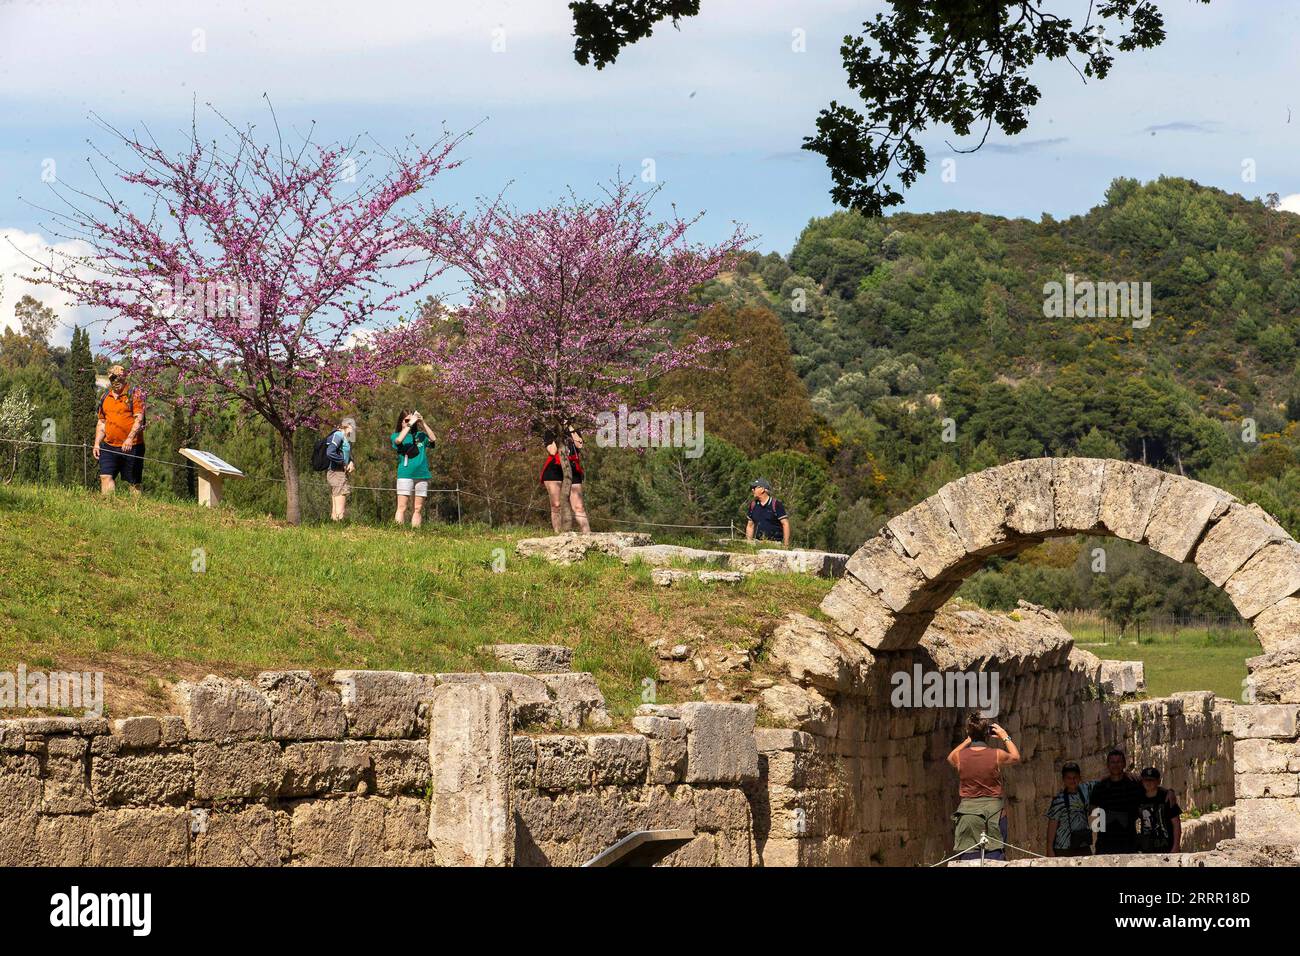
(760, 483)
(1150, 773)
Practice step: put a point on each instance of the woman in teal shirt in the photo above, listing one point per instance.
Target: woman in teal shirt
(411, 440)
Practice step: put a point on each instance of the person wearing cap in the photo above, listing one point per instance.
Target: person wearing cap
(339, 452)
(767, 518)
(119, 434)
(1159, 829)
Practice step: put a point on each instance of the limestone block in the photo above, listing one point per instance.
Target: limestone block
(523, 761)
(811, 654)
(618, 759)
(223, 710)
(11, 736)
(1128, 498)
(400, 766)
(383, 704)
(138, 732)
(824, 564)
(52, 726)
(1274, 820)
(360, 831)
(1278, 624)
(720, 744)
(666, 737)
(1026, 488)
(1274, 678)
(669, 577)
(565, 549)
(769, 561)
(155, 836)
(300, 708)
(977, 510)
(142, 777)
(721, 808)
(659, 555)
(577, 699)
(780, 738)
(1122, 678)
(863, 615)
(928, 537)
(883, 566)
(1263, 785)
(173, 730)
(1265, 720)
(66, 784)
(1077, 485)
(719, 577)
(470, 821)
(804, 708)
(563, 763)
(325, 766)
(1272, 574)
(1233, 540)
(1182, 511)
(245, 836)
(62, 840)
(530, 696)
(534, 658)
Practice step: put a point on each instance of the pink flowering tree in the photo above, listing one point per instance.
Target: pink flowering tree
(572, 309)
(258, 274)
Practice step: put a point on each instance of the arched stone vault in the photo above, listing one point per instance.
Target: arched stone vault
(896, 581)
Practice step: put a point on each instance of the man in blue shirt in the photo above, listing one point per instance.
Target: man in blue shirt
(767, 518)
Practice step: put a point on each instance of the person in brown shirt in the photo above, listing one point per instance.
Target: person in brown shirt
(979, 770)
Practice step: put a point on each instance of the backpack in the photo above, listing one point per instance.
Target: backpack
(320, 459)
(130, 401)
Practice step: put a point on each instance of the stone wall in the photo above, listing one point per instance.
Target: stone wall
(860, 781)
(375, 769)
(395, 769)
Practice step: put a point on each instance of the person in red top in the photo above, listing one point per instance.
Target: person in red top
(982, 809)
(119, 435)
(552, 478)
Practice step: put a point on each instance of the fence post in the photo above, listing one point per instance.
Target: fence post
(458, 521)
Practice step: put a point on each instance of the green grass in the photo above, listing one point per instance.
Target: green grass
(1197, 660)
(112, 582)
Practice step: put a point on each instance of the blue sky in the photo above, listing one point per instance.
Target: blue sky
(720, 106)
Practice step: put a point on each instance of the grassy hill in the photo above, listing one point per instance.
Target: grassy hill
(112, 585)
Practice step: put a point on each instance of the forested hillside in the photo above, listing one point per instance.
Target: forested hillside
(876, 361)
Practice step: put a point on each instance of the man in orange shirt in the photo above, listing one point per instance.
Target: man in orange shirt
(119, 436)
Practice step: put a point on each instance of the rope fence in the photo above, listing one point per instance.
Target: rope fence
(391, 489)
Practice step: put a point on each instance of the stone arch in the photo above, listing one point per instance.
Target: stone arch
(894, 584)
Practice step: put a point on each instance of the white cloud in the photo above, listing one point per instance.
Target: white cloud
(1290, 203)
(17, 250)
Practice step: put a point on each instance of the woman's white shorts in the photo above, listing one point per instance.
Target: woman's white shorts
(409, 486)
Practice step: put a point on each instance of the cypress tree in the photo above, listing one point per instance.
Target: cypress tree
(82, 400)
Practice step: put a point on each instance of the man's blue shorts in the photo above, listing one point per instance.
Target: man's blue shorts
(115, 462)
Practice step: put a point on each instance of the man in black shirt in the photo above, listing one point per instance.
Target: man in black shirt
(1159, 829)
(1118, 795)
(767, 518)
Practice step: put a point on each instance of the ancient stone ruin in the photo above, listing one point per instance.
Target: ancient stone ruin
(827, 766)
